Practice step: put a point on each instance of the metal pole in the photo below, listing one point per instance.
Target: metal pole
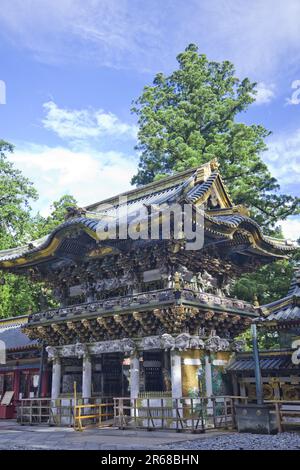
(258, 381)
(41, 372)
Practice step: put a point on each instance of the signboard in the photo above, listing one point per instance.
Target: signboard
(7, 398)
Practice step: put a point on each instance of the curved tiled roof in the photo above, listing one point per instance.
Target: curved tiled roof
(245, 363)
(193, 186)
(12, 336)
(286, 309)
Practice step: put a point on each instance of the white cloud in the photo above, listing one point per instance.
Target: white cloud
(259, 36)
(88, 175)
(85, 123)
(107, 32)
(283, 158)
(291, 228)
(265, 93)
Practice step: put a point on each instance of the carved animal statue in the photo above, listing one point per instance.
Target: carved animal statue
(182, 341)
(52, 352)
(215, 343)
(167, 342)
(81, 349)
(209, 283)
(151, 342)
(224, 345)
(99, 348)
(196, 343)
(128, 345)
(238, 345)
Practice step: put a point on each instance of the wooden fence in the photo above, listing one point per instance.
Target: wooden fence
(287, 413)
(64, 411)
(181, 414)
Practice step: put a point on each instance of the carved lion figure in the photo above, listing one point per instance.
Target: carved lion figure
(182, 341)
(196, 343)
(128, 345)
(215, 343)
(167, 341)
(151, 342)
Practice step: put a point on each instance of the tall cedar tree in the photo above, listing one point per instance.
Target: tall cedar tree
(194, 115)
(191, 116)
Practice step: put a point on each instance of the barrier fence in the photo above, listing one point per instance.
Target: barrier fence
(287, 413)
(64, 411)
(181, 414)
(97, 415)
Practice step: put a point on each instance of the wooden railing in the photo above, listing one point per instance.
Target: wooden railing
(287, 413)
(181, 414)
(61, 412)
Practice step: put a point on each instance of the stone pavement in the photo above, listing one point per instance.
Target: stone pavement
(16, 437)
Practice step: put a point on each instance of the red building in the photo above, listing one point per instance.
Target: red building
(20, 366)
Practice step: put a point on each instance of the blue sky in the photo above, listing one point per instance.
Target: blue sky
(72, 68)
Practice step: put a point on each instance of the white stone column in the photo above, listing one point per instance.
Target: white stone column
(134, 376)
(176, 374)
(86, 376)
(208, 384)
(134, 383)
(208, 376)
(56, 378)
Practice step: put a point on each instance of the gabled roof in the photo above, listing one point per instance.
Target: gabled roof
(231, 224)
(286, 309)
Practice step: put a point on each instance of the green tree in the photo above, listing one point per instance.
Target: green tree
(18, 295)
(43, 225)
(16, 194)
(268, 283)
(189, 117)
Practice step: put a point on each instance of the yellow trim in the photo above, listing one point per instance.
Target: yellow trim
(13, 321)
(46, 252)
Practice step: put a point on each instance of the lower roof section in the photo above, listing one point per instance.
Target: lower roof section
(275, 361)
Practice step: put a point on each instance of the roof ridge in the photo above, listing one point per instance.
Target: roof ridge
(164, 183)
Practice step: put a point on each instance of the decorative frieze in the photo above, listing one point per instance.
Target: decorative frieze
(215, 343)
(182, 342)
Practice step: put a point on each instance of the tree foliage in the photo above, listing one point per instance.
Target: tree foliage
(191, 116)
(270, 282)
(16, 194)
(43, 225)
(18, 295)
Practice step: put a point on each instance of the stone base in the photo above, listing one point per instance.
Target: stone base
(256, 419)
